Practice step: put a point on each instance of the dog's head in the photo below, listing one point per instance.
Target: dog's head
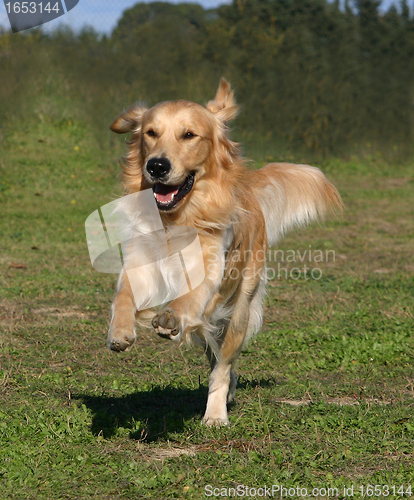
(177, 146)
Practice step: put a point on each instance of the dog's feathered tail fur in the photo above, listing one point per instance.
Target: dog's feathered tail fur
(293, 195)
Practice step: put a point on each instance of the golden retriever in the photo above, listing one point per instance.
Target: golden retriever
(182, 151)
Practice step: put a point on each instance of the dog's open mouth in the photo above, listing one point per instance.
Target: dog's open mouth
(167, 196)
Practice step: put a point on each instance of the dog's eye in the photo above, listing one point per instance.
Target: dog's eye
(151, 133)
(188, 135)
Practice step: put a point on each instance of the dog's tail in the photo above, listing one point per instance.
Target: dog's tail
(293, 195)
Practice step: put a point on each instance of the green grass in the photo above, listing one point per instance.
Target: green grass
(326, 390)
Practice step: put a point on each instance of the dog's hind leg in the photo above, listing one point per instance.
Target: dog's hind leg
(244, 323)
(222, 382)
(218, 388)
(233, 379)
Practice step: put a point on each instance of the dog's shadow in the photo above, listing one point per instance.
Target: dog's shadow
(147, 415)
(154, 414)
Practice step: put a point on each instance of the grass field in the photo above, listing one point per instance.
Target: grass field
(326, 390)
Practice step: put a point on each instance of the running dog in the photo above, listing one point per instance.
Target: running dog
(182, 151)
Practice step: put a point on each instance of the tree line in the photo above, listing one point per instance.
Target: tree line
(312, 75)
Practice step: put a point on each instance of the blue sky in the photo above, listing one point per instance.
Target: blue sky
(101, 14)
(104, 14)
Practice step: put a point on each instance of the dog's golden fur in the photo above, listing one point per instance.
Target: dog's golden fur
(237, 213)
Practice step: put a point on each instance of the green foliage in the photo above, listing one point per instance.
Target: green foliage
(311, 76)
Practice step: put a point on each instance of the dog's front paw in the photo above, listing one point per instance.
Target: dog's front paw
(166, 323)
(120, 339)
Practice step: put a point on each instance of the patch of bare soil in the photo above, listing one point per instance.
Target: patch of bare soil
(165, 453)
(61, 312)
(341, 401)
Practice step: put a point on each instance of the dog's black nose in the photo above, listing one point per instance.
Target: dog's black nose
(158, 167)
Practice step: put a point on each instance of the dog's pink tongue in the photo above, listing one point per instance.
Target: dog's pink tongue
(165, 194)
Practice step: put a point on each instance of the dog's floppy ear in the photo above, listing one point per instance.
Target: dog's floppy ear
(224, 105)
(129, 120)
